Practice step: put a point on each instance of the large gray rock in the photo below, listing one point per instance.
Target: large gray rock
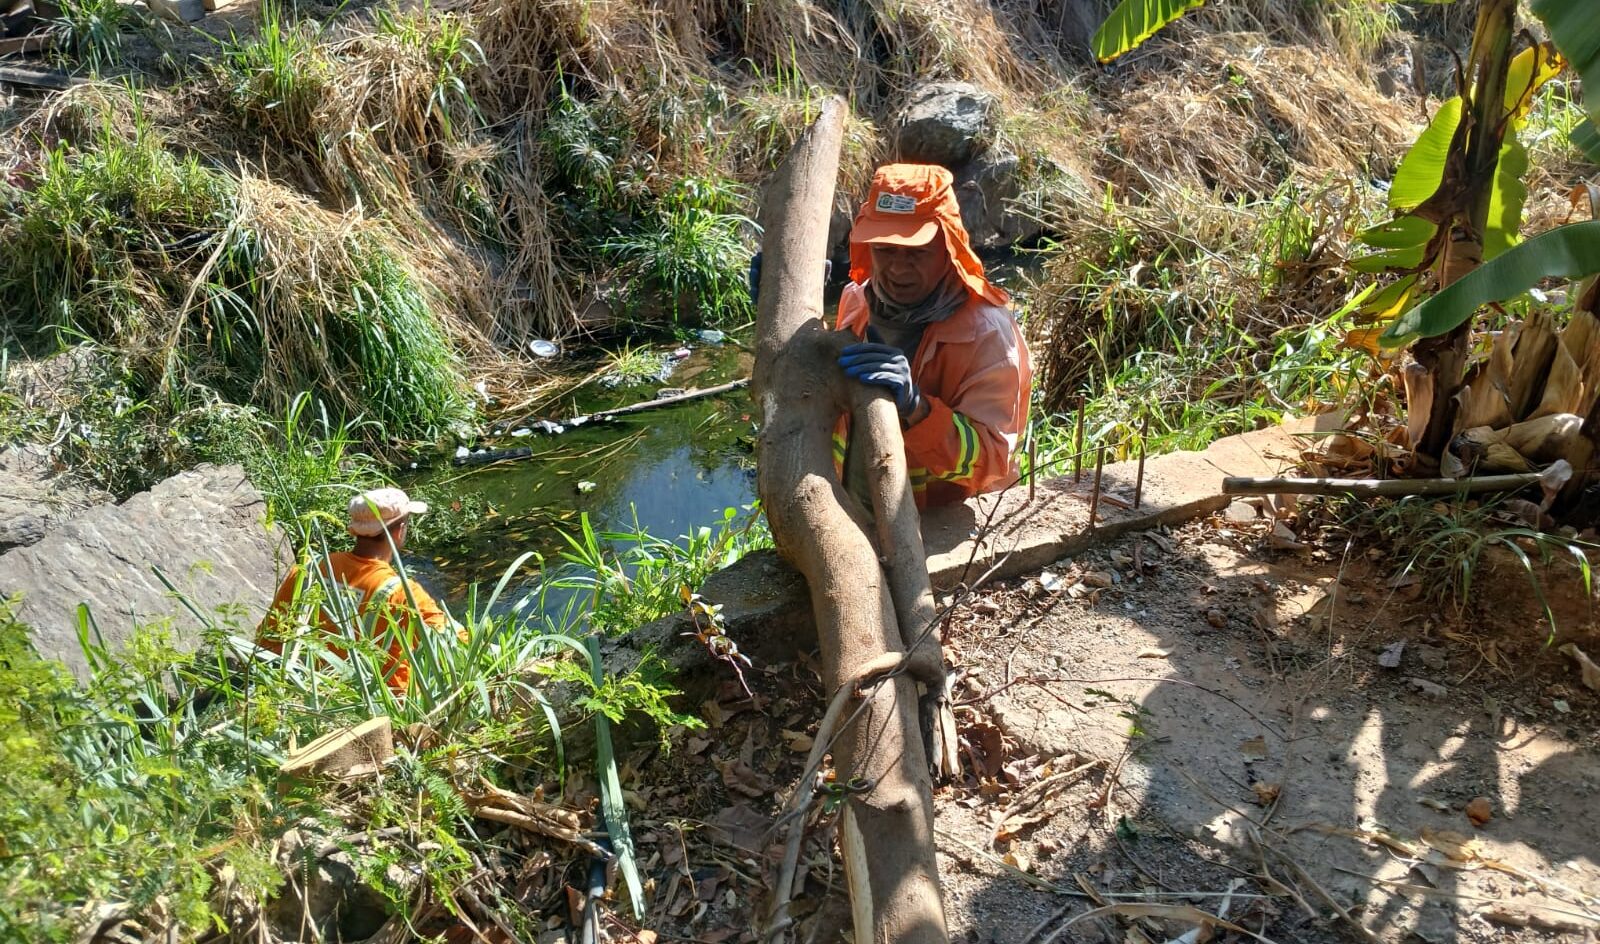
(946, 123)
(203, 528)
(35, 497)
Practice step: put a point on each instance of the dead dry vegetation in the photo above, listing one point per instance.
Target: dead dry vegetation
(543, 167)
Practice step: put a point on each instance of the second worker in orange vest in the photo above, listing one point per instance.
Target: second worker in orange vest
(937, 334)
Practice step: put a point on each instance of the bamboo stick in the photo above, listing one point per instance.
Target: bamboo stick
(1376, 488)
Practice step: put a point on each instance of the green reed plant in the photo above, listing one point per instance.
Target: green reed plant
(635, 577)
(215, 282)
(136, 785)
(1442, 543)
(90, 33)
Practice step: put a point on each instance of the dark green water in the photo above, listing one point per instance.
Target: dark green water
(670, 470)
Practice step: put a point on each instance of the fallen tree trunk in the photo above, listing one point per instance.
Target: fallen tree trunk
(887, 826)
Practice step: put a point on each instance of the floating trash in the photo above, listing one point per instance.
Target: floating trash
(553, 429)
(679, 354)
(519, 433)
(542, 348)
(586, 487)
(462, 452)
(710, 335)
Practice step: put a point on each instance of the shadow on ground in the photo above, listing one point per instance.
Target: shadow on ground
(1272, 753)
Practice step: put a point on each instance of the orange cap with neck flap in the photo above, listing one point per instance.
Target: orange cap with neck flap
(911, 205)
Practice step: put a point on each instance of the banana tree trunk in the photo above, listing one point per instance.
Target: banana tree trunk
(887, 834)
(1484, 130)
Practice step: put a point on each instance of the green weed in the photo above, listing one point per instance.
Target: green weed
(635, 577)
(90, 33)
(691, 257)
(629, 366)
(215, 282)
(1440, 545)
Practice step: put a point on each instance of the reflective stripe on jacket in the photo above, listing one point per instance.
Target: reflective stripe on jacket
(973, 369)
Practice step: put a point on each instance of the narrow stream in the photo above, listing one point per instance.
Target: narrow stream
(666, 471)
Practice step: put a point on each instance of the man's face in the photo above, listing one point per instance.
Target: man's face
(908, 274)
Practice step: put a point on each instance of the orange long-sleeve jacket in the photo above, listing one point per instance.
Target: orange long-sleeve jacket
(374, 591)
(973, 369)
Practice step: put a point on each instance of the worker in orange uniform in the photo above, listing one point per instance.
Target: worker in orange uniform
(370, 592)
(937, 333)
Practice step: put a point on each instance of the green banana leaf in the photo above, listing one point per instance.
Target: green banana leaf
(1422, 169)
(1575, 29)
(1507, 194)
(1586, 138)
(1402, 259)
(1402, 232)
(1566, 252)
(1133, 22)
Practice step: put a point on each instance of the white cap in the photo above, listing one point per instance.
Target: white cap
(372, 512)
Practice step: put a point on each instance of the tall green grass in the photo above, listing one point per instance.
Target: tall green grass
(207, 280)
(140, 785)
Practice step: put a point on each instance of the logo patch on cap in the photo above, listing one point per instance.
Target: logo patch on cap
(896, 203)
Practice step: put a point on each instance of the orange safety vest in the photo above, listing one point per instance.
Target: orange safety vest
(973, 369)
(363, 582)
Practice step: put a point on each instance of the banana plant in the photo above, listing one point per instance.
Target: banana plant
(1571, 251)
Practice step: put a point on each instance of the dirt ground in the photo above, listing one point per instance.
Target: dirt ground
(1195, 721)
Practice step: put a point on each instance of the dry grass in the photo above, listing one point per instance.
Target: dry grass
(1234, 113)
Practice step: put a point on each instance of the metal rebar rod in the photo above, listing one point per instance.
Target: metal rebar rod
(1033, 465)
(1077, 445)
(1094, 493)
(1138, 481)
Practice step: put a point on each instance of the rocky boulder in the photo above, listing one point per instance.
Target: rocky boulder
(946, 123)
(35, 497)
(204, 529)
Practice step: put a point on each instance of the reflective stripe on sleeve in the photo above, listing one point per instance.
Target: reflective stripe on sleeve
(967, 460)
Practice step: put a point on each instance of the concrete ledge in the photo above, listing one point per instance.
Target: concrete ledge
(768, 613)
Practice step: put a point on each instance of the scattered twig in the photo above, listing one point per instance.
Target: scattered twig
(1149, 910)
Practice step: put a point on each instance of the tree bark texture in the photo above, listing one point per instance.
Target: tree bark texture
(888, 827)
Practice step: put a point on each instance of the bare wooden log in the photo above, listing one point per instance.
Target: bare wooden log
(1376, 488)
(51, 79)
(801, 393)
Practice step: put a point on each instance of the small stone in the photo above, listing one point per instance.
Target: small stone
(1431, 656)
(1216, 618)
(1480, 811)
(1240, 513)
(1431, 689)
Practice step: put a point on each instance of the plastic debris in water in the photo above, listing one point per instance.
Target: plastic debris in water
(710, 335)
(542, 348)
(519, 433)
(462, 452)
(586, 487)
(553, 429)
(679, 354)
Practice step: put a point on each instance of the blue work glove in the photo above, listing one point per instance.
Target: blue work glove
(753, 277)
(883, 365)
